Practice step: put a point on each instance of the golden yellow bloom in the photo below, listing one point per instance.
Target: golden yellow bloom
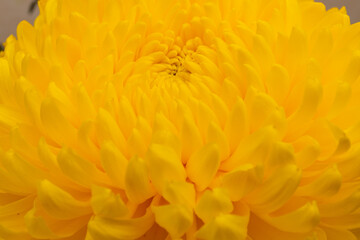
(181, 119)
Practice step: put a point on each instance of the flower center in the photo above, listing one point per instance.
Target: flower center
(178, 62)
(178, 65)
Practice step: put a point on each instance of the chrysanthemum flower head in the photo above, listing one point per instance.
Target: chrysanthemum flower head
(181, 119)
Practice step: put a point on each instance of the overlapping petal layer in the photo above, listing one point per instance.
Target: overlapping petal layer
(186, 119)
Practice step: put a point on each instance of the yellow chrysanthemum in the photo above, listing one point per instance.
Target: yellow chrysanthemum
(181, 119)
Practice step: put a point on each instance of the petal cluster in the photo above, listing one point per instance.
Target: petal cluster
(181, 119)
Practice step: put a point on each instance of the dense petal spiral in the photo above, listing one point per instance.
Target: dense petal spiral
(181, 119)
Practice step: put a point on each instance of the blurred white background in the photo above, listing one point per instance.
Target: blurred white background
(352, 7)
(13, 11)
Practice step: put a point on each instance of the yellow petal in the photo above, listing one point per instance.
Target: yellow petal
(15, 174)
(137, 183)
(311, 99)
(164, 133)
(68, 50)
(307, 151)
(241, 181)
(62, 100)
(281, 154)
(56, 125)
(80, 24)
(41, 226)
(37, 226)
(80, 170)
(265, 29)
(164, 166)
(343, 142)
(114, 163)
(352, 72)
(86, 146)
(341, 207)
(213, 203)
(59, 203)
(349, 165)
(216, 135)
(27, 37)
(20, 139)
(323, 44)
(325, 185)
(220, 109)
(46, 156)
(181, 193)
(60, 77)
(203, 165)
(204, 117)
(108, 130)
(260, 108)
(237, 124)
(332, 140)
(262, 52)
(84, 104)
(276, 190)
(225, 227)
(80, 74)
(334, 234)
(270, 232)
(33, 103)
(145, 107)
(107, 204)
(16, 206)
(278, 83)
(302, 220)
(103, 228)
(296, 50)
(254, 149)
(128, 116)
(136, 144)
(8, 119)
(351, 221)
(175, 218)
(144, 128)
(191, 139)
(343, 94)
(243, 55)
(208, 66)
